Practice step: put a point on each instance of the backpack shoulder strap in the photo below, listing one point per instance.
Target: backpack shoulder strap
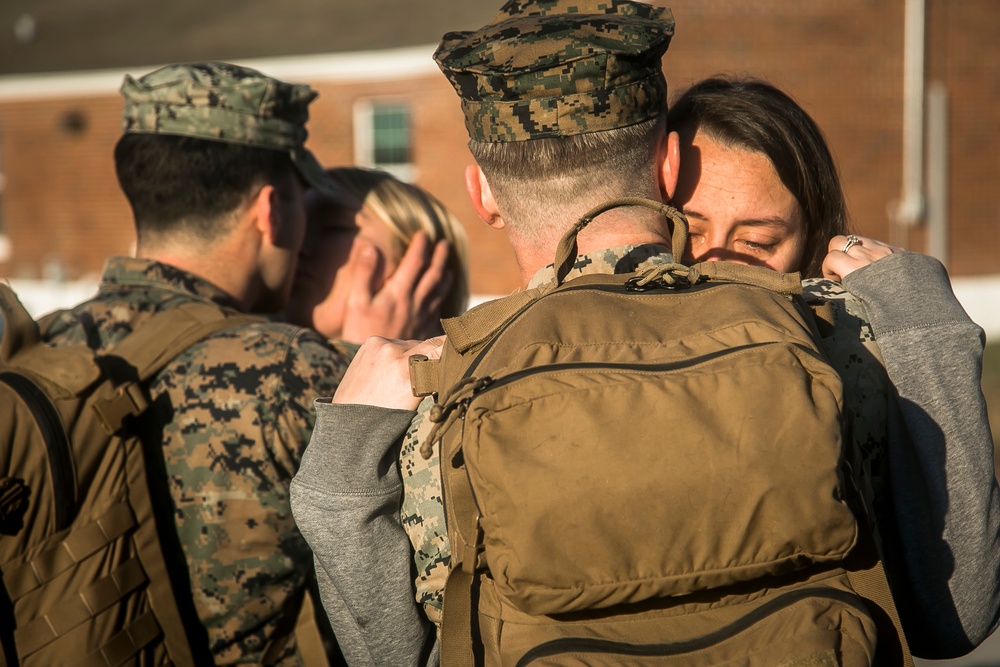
(152, 346)
(168, 333)
(147, 350)
(459, 612)
(481, 323)
(867, 576)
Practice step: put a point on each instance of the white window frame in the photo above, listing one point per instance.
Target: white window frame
(364, 137)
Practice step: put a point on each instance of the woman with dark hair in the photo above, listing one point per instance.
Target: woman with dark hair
(747, 127)
(758, 185)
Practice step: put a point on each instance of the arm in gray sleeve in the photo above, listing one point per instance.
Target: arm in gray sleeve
(944, 493)
(346, 498)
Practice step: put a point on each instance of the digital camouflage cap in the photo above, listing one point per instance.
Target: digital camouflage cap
(553, 68)
(229, 103)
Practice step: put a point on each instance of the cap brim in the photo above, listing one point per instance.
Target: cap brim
(311, 171)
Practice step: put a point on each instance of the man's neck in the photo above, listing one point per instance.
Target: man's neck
(226, 272)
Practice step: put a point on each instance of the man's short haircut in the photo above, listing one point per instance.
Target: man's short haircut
(185, 185)
(754, 115)
(526, 176)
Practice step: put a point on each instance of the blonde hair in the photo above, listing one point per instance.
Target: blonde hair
(406, 209)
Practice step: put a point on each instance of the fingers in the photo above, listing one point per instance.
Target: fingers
(379, 375)
(430, 348)
(412, 266)
(418, 287)
(430, 292)
(359, 320)
(409, 302)
(364, 260)
(433, 274)
(847, 254)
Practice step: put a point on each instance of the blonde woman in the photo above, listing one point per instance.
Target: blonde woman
(367, 245)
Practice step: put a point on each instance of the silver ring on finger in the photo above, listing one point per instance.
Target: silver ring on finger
(852, 241)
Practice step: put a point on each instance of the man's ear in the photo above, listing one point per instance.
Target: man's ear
(264, 207)
(482, 197)
(669, 164)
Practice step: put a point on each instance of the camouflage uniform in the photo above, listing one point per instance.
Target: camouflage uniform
(587, 67)
(233, 413)
(555, 68)
(850, 343)
(236, 412)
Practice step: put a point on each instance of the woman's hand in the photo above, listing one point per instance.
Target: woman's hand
(850, 253)
(408, 305)
(379, 375)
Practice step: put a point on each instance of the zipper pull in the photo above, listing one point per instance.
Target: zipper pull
(454, 408)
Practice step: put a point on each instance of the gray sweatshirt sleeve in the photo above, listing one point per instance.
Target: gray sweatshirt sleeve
(944, 493)
(346, 498)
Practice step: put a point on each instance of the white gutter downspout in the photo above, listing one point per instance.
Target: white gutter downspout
(909, 210)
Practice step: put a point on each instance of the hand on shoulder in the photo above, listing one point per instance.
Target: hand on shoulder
(846, 254)
(380, 372)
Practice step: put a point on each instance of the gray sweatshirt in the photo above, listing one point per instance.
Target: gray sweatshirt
(944, 567)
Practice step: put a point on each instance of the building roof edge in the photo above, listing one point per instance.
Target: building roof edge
(354, 66)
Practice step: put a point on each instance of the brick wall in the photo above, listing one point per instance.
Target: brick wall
(841, 60)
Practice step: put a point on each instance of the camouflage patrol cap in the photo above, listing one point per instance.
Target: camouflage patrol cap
(228, 103)
(553, 68)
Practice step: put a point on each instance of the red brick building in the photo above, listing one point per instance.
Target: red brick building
(383, 101)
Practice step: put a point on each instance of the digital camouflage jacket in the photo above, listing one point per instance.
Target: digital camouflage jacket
(236, 414)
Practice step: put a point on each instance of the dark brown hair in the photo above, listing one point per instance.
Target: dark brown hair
(754, 115)
(188, 185)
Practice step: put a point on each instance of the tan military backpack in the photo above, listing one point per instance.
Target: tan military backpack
(86, 580)
(647, 469)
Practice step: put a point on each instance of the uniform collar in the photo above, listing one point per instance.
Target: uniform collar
(150, 274)
(623, 259)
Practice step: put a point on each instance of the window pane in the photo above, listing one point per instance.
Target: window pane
(391, 134)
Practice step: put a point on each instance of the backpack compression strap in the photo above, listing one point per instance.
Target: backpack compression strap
(144, 350)
(867, 576)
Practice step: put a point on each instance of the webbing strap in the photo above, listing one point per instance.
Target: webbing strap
(78, 545)
(458, 614)
(75, 611)
(121, 648)
(480, 323)
(182, 327)
(163, 600)
(871, 584)
(456, 620)
(423, 375)
(760, 276)
(152, 346)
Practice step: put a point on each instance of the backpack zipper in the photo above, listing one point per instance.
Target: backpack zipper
(613, 289)
(488, 383)
(56, 442)
(606, 646)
